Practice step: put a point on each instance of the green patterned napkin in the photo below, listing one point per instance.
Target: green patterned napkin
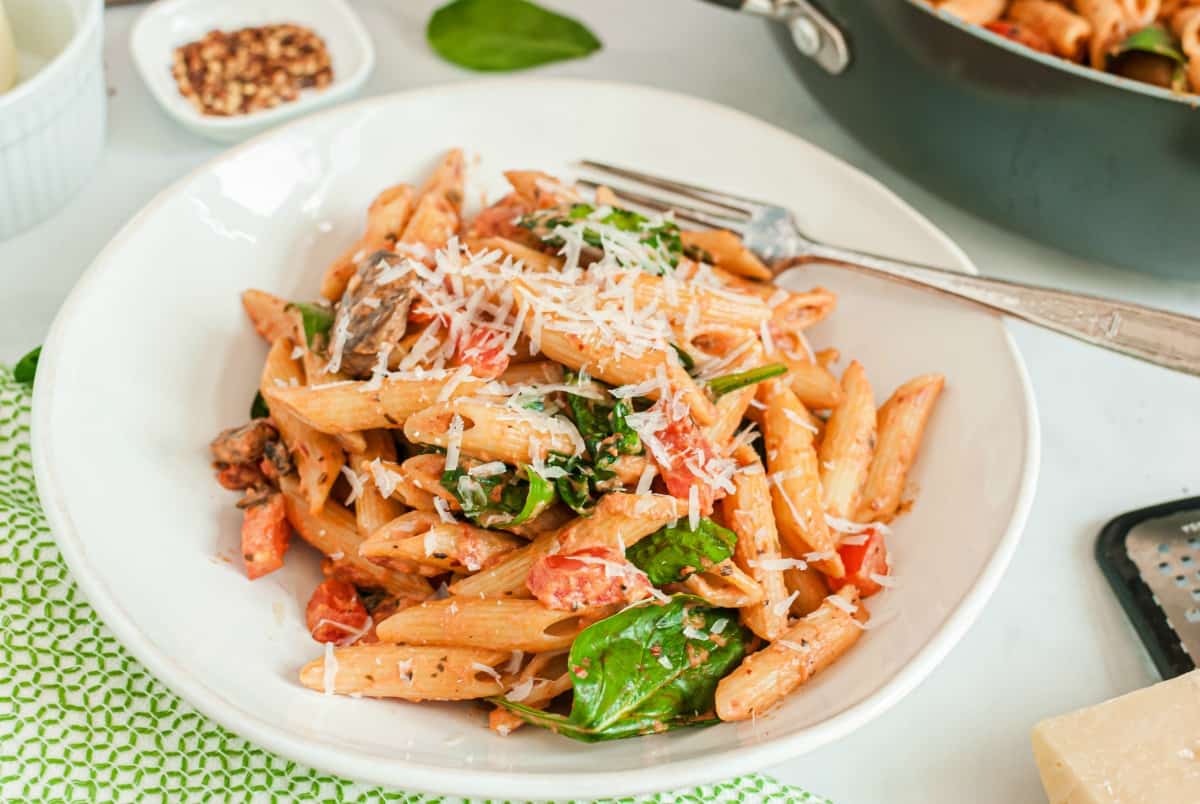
(81, 720)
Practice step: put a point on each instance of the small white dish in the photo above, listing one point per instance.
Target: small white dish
(167, 24)
(52, 123)
(121, 425)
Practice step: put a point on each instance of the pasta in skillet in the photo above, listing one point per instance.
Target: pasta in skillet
(568, 459)
(1155, 41)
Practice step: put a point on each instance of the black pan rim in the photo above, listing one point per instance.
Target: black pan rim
(1056, 63)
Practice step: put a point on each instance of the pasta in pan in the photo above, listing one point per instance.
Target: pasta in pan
(1155, 41)
(568, 459)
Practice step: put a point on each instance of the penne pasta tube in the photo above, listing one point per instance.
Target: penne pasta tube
(795, 480)
(372, 509)
(799, 311)
(847, 445)
(268, 314)
(425, 472)
(492, 431)
(541, 190)
(747, 512)
(1139, 13)
(615, 364)
(728, 252)
(806, 588)
(979, 12)
(827, 357)
(334, 532)
(1109, 26)
(423, 541)
(346, 407)
(1067, 32)
(725, 585)
(532, 259)
(605, 197)
(805, 649)
(406, 672)
(716, 306)
(355, 442)
(387, 217)
(437, 215)
(731, 407)
(541, 372)
(318, 456)
(901, 425)
(494, 624)
(812, 383)
(1185, 22)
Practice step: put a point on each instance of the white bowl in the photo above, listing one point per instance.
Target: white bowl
(121, 425)
(167, 24)
(52, 123)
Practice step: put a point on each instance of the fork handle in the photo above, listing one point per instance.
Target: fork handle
(1156, 336)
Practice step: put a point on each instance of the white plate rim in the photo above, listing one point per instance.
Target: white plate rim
(466, 781)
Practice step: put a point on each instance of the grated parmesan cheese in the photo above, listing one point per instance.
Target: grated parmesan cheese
(356, 484)
(453, 442)
(782, 607)
(329, 669)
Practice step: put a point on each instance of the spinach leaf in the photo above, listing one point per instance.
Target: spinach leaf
(732, 382)
(689, 365)
(499, 501)
(673, 553)
(258, 408)
(317, 320)
(664, 236)
(26, 368)
(647, 669)
(499, 35)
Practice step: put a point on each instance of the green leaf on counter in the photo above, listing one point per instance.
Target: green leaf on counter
(672, 553)
(647, 669)
(502, 35)
(26, 368)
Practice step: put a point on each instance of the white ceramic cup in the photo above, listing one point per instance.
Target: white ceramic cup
(52, 123)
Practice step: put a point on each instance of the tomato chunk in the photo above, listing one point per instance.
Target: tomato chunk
(334, 613)
(482, 348)
(265, 535)
(689, 452)
(1020, 34)
(596, 576)
(862, 561)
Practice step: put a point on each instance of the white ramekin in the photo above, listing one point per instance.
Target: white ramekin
(52, 126)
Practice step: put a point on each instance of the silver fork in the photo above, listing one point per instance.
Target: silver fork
(1156, 336)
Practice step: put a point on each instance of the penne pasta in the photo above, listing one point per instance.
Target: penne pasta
(1067, 32)
(748, 513)
(795, 480)
(847, 445)
(725, 585)
(979, 12)
(372, 509)
(494, 624)
(491, 431)
(346, 407)
(806, 589)
(334, 532)
(805, 649)
(901, 425)
(319, 457)
(387, 218)
(406, 672)
(424, 542)
(436, 217)
(727, 251)
(268, 314)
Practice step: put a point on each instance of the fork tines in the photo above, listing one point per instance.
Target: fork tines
(716, 210)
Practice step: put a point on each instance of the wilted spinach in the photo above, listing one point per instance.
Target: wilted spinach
(647, 669)
(316, 318)
(502, 500)
(674, 552)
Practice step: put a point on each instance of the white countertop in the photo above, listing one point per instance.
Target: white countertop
(1118, 434)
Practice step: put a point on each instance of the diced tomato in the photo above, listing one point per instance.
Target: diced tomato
(689, 450)
(265, 535)
(1020, 34)
(597, 576)
(861, 562)
(334, 613)
(482, 348)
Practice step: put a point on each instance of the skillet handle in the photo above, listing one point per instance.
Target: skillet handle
(813, 32)
(1157, 336)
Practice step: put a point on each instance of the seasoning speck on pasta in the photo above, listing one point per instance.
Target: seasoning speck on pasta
(560, 446)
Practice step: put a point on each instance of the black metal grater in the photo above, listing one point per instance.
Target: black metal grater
(1152, 559)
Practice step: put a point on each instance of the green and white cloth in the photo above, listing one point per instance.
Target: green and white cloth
(82, 720)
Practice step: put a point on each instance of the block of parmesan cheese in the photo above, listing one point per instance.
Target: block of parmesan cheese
(1141, 748)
